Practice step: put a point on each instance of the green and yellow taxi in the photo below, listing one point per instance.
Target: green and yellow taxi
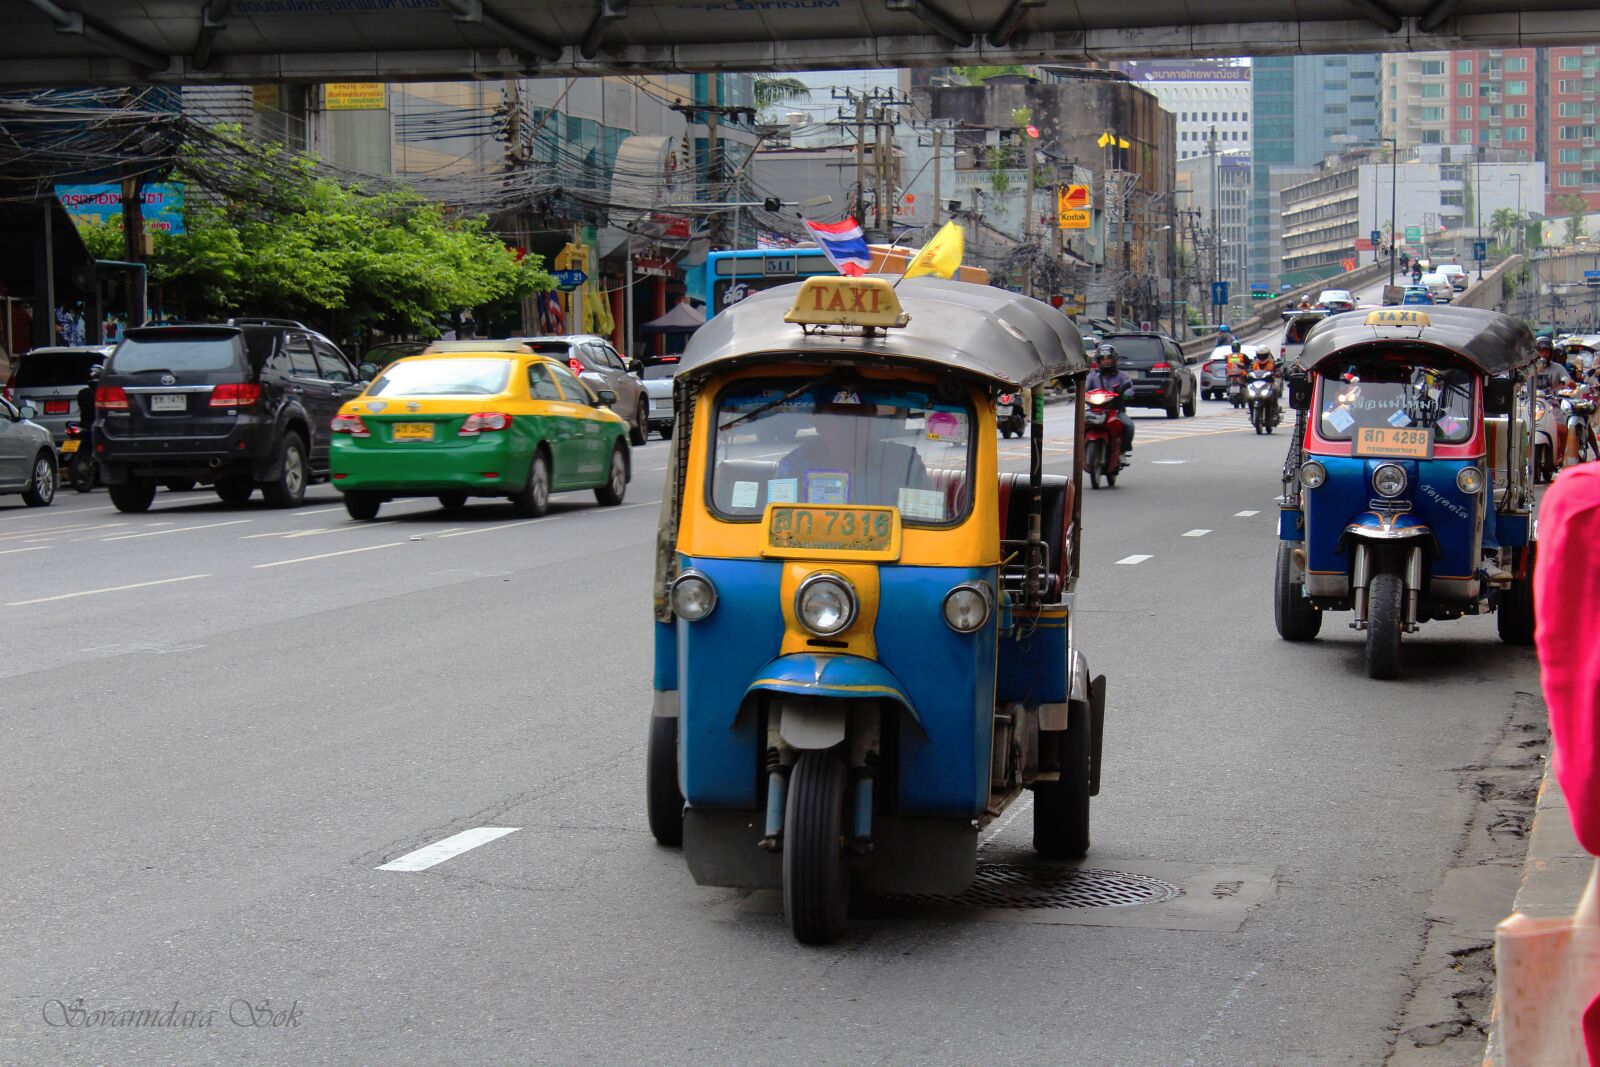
(501, 421)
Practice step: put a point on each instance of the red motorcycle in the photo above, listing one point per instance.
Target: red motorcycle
(1102, 436)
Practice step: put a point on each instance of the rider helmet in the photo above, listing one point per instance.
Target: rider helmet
(1105, 356)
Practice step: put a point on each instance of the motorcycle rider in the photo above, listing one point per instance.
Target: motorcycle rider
(1552, 375)
(1106, 376)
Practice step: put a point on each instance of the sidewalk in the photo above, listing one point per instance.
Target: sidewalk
(1553, 877)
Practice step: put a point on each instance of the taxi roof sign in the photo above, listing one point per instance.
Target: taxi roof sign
(840, 301)
(1396, 317)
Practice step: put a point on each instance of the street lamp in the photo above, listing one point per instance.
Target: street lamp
(1517, 177)
(1394, 198)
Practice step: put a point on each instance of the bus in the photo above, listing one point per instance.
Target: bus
(731, 276)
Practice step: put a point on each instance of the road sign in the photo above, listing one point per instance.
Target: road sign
(1413, 233)
(1377, 237)
(1072, 207)
(568, 280)
(1219, 292)
(1480, 250)
(1591, 278)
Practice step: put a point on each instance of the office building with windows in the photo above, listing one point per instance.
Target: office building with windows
(1205, 95)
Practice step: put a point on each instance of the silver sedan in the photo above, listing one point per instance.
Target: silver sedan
(27, 456)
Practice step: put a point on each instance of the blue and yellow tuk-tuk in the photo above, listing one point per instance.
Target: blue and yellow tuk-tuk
(1391, 509)
(864, 649)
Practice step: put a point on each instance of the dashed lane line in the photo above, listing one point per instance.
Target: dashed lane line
(13, 551)
(1245, 514)
(451, 847)
(1129, 561)
(1197, 533)
(175, 529)
(110, 589)
(326, 555)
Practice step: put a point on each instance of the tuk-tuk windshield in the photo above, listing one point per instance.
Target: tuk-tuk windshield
(1379, 392)
(838, 441)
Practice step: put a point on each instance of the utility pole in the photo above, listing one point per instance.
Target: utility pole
(861, 159)
(938, 167)
(1029, 216)
(1216, 243)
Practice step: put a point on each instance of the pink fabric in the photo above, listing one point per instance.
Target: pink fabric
(1566, 597)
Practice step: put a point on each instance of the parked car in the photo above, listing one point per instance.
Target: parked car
(27, 456)
(50, 379)
(1336, 300)
(241, 405)
(471, 424)
(1438, 287)
(658, 386)
(593, 359)
(1455, 274)
(1162, 376)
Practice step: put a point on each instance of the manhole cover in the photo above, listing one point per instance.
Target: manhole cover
(1008, 885)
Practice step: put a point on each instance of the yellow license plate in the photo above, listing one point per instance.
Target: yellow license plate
(70, 444)
(800, 531)
(1380, 441)
(413, 431)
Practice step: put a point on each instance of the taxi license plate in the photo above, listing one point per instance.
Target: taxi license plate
(70, 444)
(413, 431)
(800, 531)
(1404, 443)
(169, 402)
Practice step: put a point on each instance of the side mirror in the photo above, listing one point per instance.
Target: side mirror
(28, 411)
(1498, 396)
(607, 397)
(367, 371)
(1299, 391)
(635, 367)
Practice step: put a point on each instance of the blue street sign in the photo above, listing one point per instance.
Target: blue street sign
(1219, 292)
(1591, 274)
(1377, 237)
(1480, 250)
(568, 280)
(1591, 278)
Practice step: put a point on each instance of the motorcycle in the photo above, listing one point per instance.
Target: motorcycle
(1102, 436)
(1577, 411)
(78, 458)
(1009, 414)
(1262, 395)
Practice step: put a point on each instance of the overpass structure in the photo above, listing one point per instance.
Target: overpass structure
(127, 42)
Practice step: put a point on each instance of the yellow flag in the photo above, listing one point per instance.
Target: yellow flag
(1122, 142)
(1105, 139)
(942, 255)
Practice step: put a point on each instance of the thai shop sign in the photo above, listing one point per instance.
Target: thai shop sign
(354, 96)
(162, 203)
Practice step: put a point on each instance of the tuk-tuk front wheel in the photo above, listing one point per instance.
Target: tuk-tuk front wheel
(1385, 602)
(1297, 620)
(816, 872)
(1061, 808)
(663, 801)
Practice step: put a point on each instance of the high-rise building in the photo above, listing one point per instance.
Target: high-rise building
(1302, 108)
(1203, 94)
(1571, 159)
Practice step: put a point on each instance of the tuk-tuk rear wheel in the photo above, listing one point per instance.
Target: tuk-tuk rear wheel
(816, 873)
(663, 801)
(1061, 808)
(1385, 601)
(1296, 619)
(1514, 616)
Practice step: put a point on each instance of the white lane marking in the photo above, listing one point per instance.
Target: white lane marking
(451, 847)
(499, 526)
(336, 529)
(56, 531)
(1197, 533)
(35, 548)
(326, 555)
(1168, 462)
(320, 511)
(1245, 514)
(111, 589)
(175, 529)
(1131, 560)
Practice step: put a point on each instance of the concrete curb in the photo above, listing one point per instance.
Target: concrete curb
(1553, 877)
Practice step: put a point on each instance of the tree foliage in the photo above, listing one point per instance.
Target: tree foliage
(266, 234)
(1577, 209)
(976, 75)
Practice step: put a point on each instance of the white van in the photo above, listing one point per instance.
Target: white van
(1438, 287)
(1455, 274)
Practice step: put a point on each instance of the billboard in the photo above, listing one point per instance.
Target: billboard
(163, 204)
(1183, 70)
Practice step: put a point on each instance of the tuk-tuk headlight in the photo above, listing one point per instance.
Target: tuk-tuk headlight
(967, 607)
(825, 604)
(693, 596)
(1389, 480)
(1312, 474)
(1469, 480)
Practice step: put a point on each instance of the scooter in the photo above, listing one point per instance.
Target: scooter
(1262, 395)
(1236, 390)
(1009, 414)
(78, 458)
(1577, 410)
(1102, 436)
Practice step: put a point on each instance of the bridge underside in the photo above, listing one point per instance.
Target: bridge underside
(122, 42)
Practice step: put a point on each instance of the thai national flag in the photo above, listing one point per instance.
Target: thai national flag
(844, 245)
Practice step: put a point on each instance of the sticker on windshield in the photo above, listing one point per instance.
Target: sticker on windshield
(827, 487)
(1399, 420)
(944, 426)
(783, 491)
(1449, 424)
(744, 494)
(1340, 419)
(922, 504)
(846, 396)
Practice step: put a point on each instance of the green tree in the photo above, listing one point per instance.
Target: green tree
(771, 92)
(976, 75)
(1502, 224)
(1577, 209)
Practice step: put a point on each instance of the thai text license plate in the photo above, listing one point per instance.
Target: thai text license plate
(1406, 443)
(413, 431)
(70, 444)
(807, 531)
(169, 402)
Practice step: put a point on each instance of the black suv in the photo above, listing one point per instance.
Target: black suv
(239, 405)
(1162, 377)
